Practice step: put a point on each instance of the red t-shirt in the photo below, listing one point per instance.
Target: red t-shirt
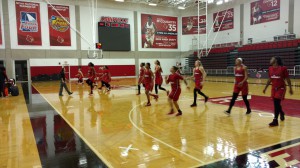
(174, 80)
(198, 75)
(147, 77)
(278, 75)
(106, 76)
(142, 72)
(239, 74)
(158, 72)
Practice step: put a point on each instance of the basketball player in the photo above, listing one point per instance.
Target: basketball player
(174, 79)
(106, 78)
(256, 13)
(158, 77)
(199, 76)
(63, 83)
(189, 25)
(240, 85)
(91, 77)
(277, 76)
(3, 77)
(148, 81)
(150, 30)
(141, 75)
(80, 76)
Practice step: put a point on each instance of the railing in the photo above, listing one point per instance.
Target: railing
(230, 71)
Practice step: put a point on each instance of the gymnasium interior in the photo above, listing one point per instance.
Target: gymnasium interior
(114, 127)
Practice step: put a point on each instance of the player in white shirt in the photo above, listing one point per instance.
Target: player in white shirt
(150, 30)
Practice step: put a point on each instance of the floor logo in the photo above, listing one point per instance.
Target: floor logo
(284, 157)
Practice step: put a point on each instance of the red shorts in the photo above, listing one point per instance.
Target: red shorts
(174, 95)
(198, 85)
(244, 89)
(158, 80)
(149, 87)
(278, 93)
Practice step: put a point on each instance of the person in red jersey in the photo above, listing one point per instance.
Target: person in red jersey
(174, 79)
(91, 77)
(106, 78)
(278, 74)
(79, 76)
(148, 81)
(141, 75)
(158, 77)
(199, 75)
(240, 85)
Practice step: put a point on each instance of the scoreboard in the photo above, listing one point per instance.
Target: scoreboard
(114, 36)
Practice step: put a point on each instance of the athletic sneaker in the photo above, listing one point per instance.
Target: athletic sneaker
(248, 112)
(194, 105)
(70, 93)
(179, 114)
(274, 123)
(171, 112)
(138, 93)
(156, 97)
(282, 118)
(227, 113)
(148, 104)
(206, 99)
(61, 95)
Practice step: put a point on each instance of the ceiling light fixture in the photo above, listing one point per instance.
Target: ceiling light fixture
(181, 7)
(152, 4)
(210, 1)
(220, 2)
(119, 0)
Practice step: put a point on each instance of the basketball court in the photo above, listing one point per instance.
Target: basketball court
(111, 126)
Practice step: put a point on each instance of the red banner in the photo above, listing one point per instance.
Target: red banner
(189, 25)
(59, 27)
(264, 11)
(159, 31)
(1, 41)
(224, 20)
(28, 23)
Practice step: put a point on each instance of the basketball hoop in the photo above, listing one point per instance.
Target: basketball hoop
(95, 54)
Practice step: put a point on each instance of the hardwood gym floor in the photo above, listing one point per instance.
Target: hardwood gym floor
(120, 131)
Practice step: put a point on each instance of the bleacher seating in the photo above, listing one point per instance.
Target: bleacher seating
(270, 45)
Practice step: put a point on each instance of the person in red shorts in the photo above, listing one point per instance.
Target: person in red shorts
(199, 75)
(277, 76)
(106, 78)
(240, 85)
(148, 81)
(91, 77)
(141, 75)
(158, 77)
(79, 76)
(174, 79)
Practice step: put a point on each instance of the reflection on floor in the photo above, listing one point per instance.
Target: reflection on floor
(57, 143)
(124, 133)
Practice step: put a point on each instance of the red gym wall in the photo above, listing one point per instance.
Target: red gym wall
(53, 66)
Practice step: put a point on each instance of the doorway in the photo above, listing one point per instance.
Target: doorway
(21, 71)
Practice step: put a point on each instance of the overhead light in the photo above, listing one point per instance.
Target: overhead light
(226, 0)
(181, 7)
(152, 4)
(220, 2)
(210, 1)
(119, 0)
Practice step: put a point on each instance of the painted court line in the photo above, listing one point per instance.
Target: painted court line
(162, 142)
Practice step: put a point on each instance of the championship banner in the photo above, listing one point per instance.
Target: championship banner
(159, 31)
(227, 16)
(189, 25)
(28, 23)
(1, 41)
(59, 28)
(263, 11)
